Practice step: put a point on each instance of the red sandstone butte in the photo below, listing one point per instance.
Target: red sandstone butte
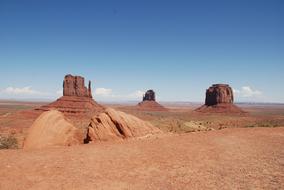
(149, 102)
(76, 100)
(75, 86)
(219, 99)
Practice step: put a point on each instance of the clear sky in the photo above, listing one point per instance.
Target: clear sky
(178, 48)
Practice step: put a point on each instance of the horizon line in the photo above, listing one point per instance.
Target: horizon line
(38, 100)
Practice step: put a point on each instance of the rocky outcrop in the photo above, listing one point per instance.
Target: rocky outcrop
(219, 94)
(219, 99)
(115, 125)
(149, 96)
(52, 129)
(149, 102)
(76, 100)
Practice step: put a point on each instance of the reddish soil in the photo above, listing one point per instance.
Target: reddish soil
(75, 107)
(241, 158)
(150, 106)
(220, 108)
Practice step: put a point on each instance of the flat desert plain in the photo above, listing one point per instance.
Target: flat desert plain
(196, 151)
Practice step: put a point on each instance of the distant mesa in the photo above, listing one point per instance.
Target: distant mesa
(76, 100)
(149, 102)
(149, 96)
(219, 99)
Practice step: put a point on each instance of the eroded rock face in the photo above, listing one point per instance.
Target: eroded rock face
(52, 129)
(219, 94)
(149, 96)
(75, 86)
(116, 125)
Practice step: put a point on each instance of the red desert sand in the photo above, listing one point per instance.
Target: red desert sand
(240, 158)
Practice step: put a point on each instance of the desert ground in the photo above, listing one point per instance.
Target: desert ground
(196, 151)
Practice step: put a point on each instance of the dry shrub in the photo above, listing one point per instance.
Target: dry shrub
(8, 142)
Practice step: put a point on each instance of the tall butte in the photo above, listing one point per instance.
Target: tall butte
(219, 99)
(77, 99)
(149, 102)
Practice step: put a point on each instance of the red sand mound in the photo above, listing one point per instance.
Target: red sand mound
(74, 105)
(220, 108)
(151, 106)
(51, 129)
(115, 125)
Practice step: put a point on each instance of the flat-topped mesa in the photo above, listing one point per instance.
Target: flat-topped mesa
(75, 86)
(219, 94)
(149, 96)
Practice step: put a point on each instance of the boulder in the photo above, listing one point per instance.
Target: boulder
(115, 125)
(52, 129)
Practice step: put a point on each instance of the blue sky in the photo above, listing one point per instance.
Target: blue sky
(178, 48)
